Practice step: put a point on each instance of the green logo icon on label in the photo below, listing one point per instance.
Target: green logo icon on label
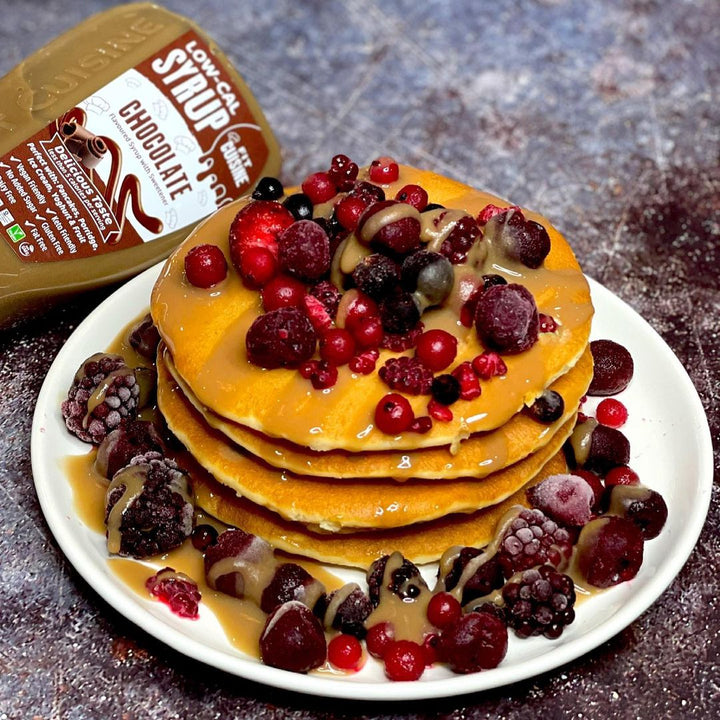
(16, 233)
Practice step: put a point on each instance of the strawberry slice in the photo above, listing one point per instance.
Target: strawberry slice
(258, 224)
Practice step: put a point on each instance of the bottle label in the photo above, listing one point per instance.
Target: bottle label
(158, 148)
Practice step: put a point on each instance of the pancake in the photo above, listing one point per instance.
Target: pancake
(330, 505)
(420, 543)
(478, 456)
(205, 332)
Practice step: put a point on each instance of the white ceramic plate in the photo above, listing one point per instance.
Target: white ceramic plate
(671, 450)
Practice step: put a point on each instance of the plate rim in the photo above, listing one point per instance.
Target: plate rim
(350, 688)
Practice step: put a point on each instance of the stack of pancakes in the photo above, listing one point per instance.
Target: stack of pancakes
(307, 470)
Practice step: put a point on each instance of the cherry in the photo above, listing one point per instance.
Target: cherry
(393, 414)
(612, 413)
(258, 266)
(413, 195)
(205, 266)
(345, 652)
(436, 349)
(621, 475)
(378, 639)
(384, 170)
(282, 291)
(443, 610)
(337, 346)
(404, 661)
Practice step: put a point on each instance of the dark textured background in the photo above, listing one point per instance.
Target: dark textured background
(605, 117)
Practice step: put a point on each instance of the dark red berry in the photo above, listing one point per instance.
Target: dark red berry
(567, 499)
(488, 364)
(328, 295)
(317, 314)
(393, 414)
(621, 475)
(644, 507)
(304, 250)
(490, 211)
(258, 266)
(130, 439)
(319, 187)
(405, 581)
(345, 652)
(343, 172)
(384, 170)
(399, 312)
(443, 610)
(608, 449)
(430, 648)
(406, 375)
(321, 373)
(547, 323)
(376, 275)
(176, 590)
(349, 210)
(413, 195)
(203, 536)
(378, 639)
(421, 425)
(281, 292)
(337, 346)
(290, 581)
(613, 368)
(368, 332)
(364, 363)
(595, 483)
(436, 349)
(523, 240)
(469, 384)
(205, 266)
(280, 338)
(404, 661)
(144, 337)
(462, 237)
(390, 225)
(506, 318)
(400, 342)
(476, 641)
(354, 307)
(612, 413)
(439, 412)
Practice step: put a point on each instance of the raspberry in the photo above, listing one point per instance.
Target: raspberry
(404, 661)
(317, 314)
(539, 602)
(612, 413)
(258, 224)
(490, 211)
(506, 318)
(343, 172)
(337, 346)
(445, 389)
(345, 652)
(531, 538)
(457, 244)
(476, 641)
(104, 394)
(439, 412)
(567, 499)
(413, 195)
(547, 408)
(393, 414)
(205, 266)
(176, 590)
(319, 187)
(280, 338)
(613, 368)
(384, 170)
(282, 291)
(406, 375)
(304, 250)
(524, 240)
(364, 363)
(469, 385)
(488, 364)
(376, 275)
(436, 349)
(268, 188)
(398, 312)
(328, 295)
(399, 342)
(154, 520)
(405, 581)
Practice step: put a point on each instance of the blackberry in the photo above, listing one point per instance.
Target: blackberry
(119, 447)
(406, 374)
(281, 338)
(531, 538)
(462, 237)
(548, 407)
(103, 395)
(346, 610)
(539, 602)
(486, 577)
(299, 205)
(268, 188)
(148, 507)
(328, 295)
(445, 389)
(405, 581)
(376, 275)
(399, 312)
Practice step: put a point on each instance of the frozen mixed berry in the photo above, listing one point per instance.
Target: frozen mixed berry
(390, 225)
(328, 295)
(131, 439)
(319, 187)
(548, 407)
(299, 206)
(148, 507)
(291, 582)
(462, 237)
(281, 292)
(443, 609)
(268, 188)
(609, 551)
(488, 365)
(258, 224)
(484, 577)
(445, 389)
(608, 449)
(539, 601)
(523, 240)
(567, 499)
(531, 538)
(406, 374)
(103, 395)
(429, 275)
(399, 312)
(611, 412)
(621, 475)
(400, 342)
(203, 536)
(613, 368)
(644, 507)
(293, 639)
(337, 346)
(249, 554)
(346, 610)
(468, 381)
(178, 591)
(345, 652)
(257, 266)
(304, 250)
(506, 318)
(280, 338)
(144, 337)
(320, 373)
(476, 641)
(384, 170)
(436, 349)
(376, 275)
(379, 638)
(205, 266)
(393, 414)
(343, 172)
(404, 661)
(405, 581)
(413, 195)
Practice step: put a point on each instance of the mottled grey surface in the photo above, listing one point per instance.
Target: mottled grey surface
(605, 117)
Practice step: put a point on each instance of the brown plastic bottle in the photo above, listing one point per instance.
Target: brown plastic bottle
(115, 140)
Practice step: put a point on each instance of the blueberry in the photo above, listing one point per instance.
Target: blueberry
(300, 206)
(445, 389)
(547, 408)
(268, 188)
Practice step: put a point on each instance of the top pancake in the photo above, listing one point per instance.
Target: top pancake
(205, 333)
